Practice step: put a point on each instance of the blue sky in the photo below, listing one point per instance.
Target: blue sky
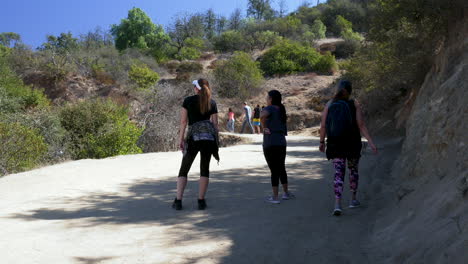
(34, 19)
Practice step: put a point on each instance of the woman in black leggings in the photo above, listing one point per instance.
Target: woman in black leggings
(201, 114)
(273, 119)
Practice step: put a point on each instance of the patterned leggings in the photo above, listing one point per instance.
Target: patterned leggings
(340, 169)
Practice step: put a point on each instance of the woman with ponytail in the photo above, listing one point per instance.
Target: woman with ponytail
(273, 119)
(200, 113)
(343, 124)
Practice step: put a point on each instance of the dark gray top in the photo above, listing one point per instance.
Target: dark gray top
(277, 128)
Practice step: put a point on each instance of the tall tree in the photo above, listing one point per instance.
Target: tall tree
(221, 24)
(186, 26)
(260, 9)
(63, 43)
(8, 39)
(210, 23)
(235, 20)
(137, 30)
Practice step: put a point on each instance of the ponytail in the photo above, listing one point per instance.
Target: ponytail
(205, 96)
(276, 99)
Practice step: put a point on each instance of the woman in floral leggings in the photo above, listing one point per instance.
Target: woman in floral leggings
(343, 127)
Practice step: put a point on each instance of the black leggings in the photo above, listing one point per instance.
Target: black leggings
(205, 147)
(275, 157)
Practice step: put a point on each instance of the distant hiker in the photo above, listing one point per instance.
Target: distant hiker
(247, 118)
(342, 124)
(201, 114)
(231, 121)
(273, 118)
(256, 119)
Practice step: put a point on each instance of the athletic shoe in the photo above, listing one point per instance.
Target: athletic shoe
(177, 204)
(288, 196)
(337, 211)
(272, 200)
(201, 204)
(354, 204)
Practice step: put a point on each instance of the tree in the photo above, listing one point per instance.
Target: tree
(221, 24)
(9, 39)
(137, 30)
(96, 39)
(186, 26)
(230, 41)
(262, 40)
(260, 9)
(64, 43)
(346, 29)
(210, 23)
(318, 29)
(235, 20)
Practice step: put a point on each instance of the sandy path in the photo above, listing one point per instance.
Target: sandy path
(117, 210)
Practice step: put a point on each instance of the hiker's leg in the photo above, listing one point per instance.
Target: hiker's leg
(251, 126)
(187, 161)
(205, 158)
(243, 126)
(340, 168)
(353, 166)
(270, 157)
(283, 176)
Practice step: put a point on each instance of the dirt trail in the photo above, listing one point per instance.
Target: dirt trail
(117, 210)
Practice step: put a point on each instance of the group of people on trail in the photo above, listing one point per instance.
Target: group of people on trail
(342, 124)
(250, 120)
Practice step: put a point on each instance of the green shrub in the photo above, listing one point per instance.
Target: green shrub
(143, 76)
(22, 148)
(238, 77)
(191, 49)
(186, 69)
(47, 123)
(326, 64)
(14, 95)
(229, 41)
(289, 57)
(99, 129)
(347, 48)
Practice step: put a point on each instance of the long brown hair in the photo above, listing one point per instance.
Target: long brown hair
(205, 96)
(343, 91)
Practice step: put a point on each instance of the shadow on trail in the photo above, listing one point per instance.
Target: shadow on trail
(236, 211)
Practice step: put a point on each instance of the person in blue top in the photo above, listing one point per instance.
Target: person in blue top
(273, 119)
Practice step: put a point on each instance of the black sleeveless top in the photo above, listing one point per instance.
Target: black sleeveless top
(351, 147)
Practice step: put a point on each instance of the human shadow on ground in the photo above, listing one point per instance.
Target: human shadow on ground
(294, 231)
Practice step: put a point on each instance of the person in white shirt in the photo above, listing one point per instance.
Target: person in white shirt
(247, 118)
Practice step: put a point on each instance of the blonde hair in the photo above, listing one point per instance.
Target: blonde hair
(205, 96)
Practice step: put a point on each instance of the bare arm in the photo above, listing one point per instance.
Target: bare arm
(263, 117)
(362, 126)
(323, 130)
(183, 126)
(214, 120)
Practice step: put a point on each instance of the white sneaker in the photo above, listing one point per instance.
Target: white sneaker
(288, 196)
(272, 200)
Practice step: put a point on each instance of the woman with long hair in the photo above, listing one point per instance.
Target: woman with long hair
(200, 112)
(273, 119)
(342, 124)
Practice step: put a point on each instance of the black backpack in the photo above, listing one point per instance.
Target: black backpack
(339, 120)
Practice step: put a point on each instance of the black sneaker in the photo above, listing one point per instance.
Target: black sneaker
(201, 204)
(177, 204)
